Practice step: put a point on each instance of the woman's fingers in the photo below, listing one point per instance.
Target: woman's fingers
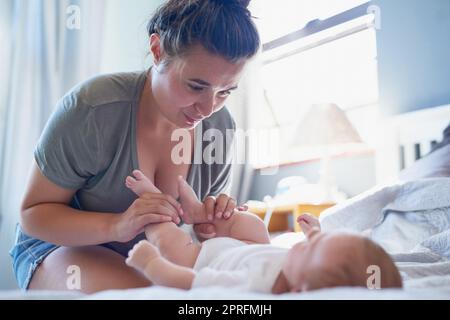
(231, 205)
(210, 203)
(221, 204)
(225, 206)
(158, 207)
(150, 218)
(164, 197)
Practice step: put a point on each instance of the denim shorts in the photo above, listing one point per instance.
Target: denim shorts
(27, 254)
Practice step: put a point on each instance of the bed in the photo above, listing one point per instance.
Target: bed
(409, 217)
(406, 138)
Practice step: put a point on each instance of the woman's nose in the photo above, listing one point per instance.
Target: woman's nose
(206, 106)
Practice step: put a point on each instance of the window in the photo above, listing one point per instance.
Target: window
(313, 52)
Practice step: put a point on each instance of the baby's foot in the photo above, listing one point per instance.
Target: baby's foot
(307, 222)
(192, 207)
(140, 184)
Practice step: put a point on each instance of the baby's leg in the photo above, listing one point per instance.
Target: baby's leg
(192, 208)
(173, 243)
(140, 183)
(147, 258)
(241, 225)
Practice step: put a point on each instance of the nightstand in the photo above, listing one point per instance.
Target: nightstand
(281, 214)
(314, 209)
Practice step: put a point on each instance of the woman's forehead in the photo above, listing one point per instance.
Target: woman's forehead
(209, 68)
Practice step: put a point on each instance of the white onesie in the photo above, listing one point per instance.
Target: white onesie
(232, 263)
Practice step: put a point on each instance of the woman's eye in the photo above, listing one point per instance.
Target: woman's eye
(195, 88)
(225, 93)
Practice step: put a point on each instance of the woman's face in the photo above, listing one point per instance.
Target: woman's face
(193, 87)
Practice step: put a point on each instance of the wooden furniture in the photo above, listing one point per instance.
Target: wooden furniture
(282, 214)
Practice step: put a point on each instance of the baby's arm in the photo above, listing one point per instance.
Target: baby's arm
(146, 258)
(308, 222)
(243, 226)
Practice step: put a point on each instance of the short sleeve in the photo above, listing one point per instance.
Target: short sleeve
(223, 179)
(209, 277)
(223, 183)
(67, 150)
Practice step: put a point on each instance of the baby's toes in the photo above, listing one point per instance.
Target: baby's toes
(138, 174)
(130, 181)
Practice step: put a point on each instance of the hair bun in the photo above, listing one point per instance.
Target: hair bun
(244, 3)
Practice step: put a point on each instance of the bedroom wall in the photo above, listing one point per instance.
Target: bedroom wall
(353, 175)
(413, 54)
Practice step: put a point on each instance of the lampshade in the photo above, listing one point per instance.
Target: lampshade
(325, 125)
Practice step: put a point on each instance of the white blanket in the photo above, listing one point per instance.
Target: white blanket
(411, 220)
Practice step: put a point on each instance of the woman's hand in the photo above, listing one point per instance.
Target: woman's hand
(207, 230)
(147, 209)
(221, 207)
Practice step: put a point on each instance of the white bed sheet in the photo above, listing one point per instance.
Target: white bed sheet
(436, 287)
(424, 259)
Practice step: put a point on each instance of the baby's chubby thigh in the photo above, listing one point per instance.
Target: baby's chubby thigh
(190, 254)
(181, 250)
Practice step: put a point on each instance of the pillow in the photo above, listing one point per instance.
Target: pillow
(445, 140)
(435, 164)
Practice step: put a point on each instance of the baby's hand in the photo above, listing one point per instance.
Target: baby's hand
(141, 254)
(307, 222)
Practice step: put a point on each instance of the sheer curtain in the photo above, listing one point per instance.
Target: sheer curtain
(48, 47)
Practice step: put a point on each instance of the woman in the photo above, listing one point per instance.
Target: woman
(77, 214)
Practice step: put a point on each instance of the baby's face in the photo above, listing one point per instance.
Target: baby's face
(312, 263)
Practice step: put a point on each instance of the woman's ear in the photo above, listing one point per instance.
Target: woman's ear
(155, 48)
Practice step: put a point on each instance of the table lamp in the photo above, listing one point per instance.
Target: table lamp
(325, 128)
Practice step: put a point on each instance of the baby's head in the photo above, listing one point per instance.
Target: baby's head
(337, 259)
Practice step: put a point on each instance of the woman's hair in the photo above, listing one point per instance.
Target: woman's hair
(222, 27)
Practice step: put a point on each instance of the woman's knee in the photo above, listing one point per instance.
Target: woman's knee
(86, 269)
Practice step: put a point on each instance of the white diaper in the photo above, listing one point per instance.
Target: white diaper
(212, 248)
(228, 262)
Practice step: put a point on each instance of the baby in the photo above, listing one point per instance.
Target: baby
(241, 254)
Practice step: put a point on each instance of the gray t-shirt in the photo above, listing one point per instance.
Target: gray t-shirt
(89, 144)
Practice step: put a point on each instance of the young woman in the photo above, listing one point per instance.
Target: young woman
(77, 210)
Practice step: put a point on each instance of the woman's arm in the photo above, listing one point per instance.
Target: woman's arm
(46, 215)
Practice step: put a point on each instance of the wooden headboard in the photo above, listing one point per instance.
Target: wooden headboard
(408, 137)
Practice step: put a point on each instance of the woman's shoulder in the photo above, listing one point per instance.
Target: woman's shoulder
(108, 88)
